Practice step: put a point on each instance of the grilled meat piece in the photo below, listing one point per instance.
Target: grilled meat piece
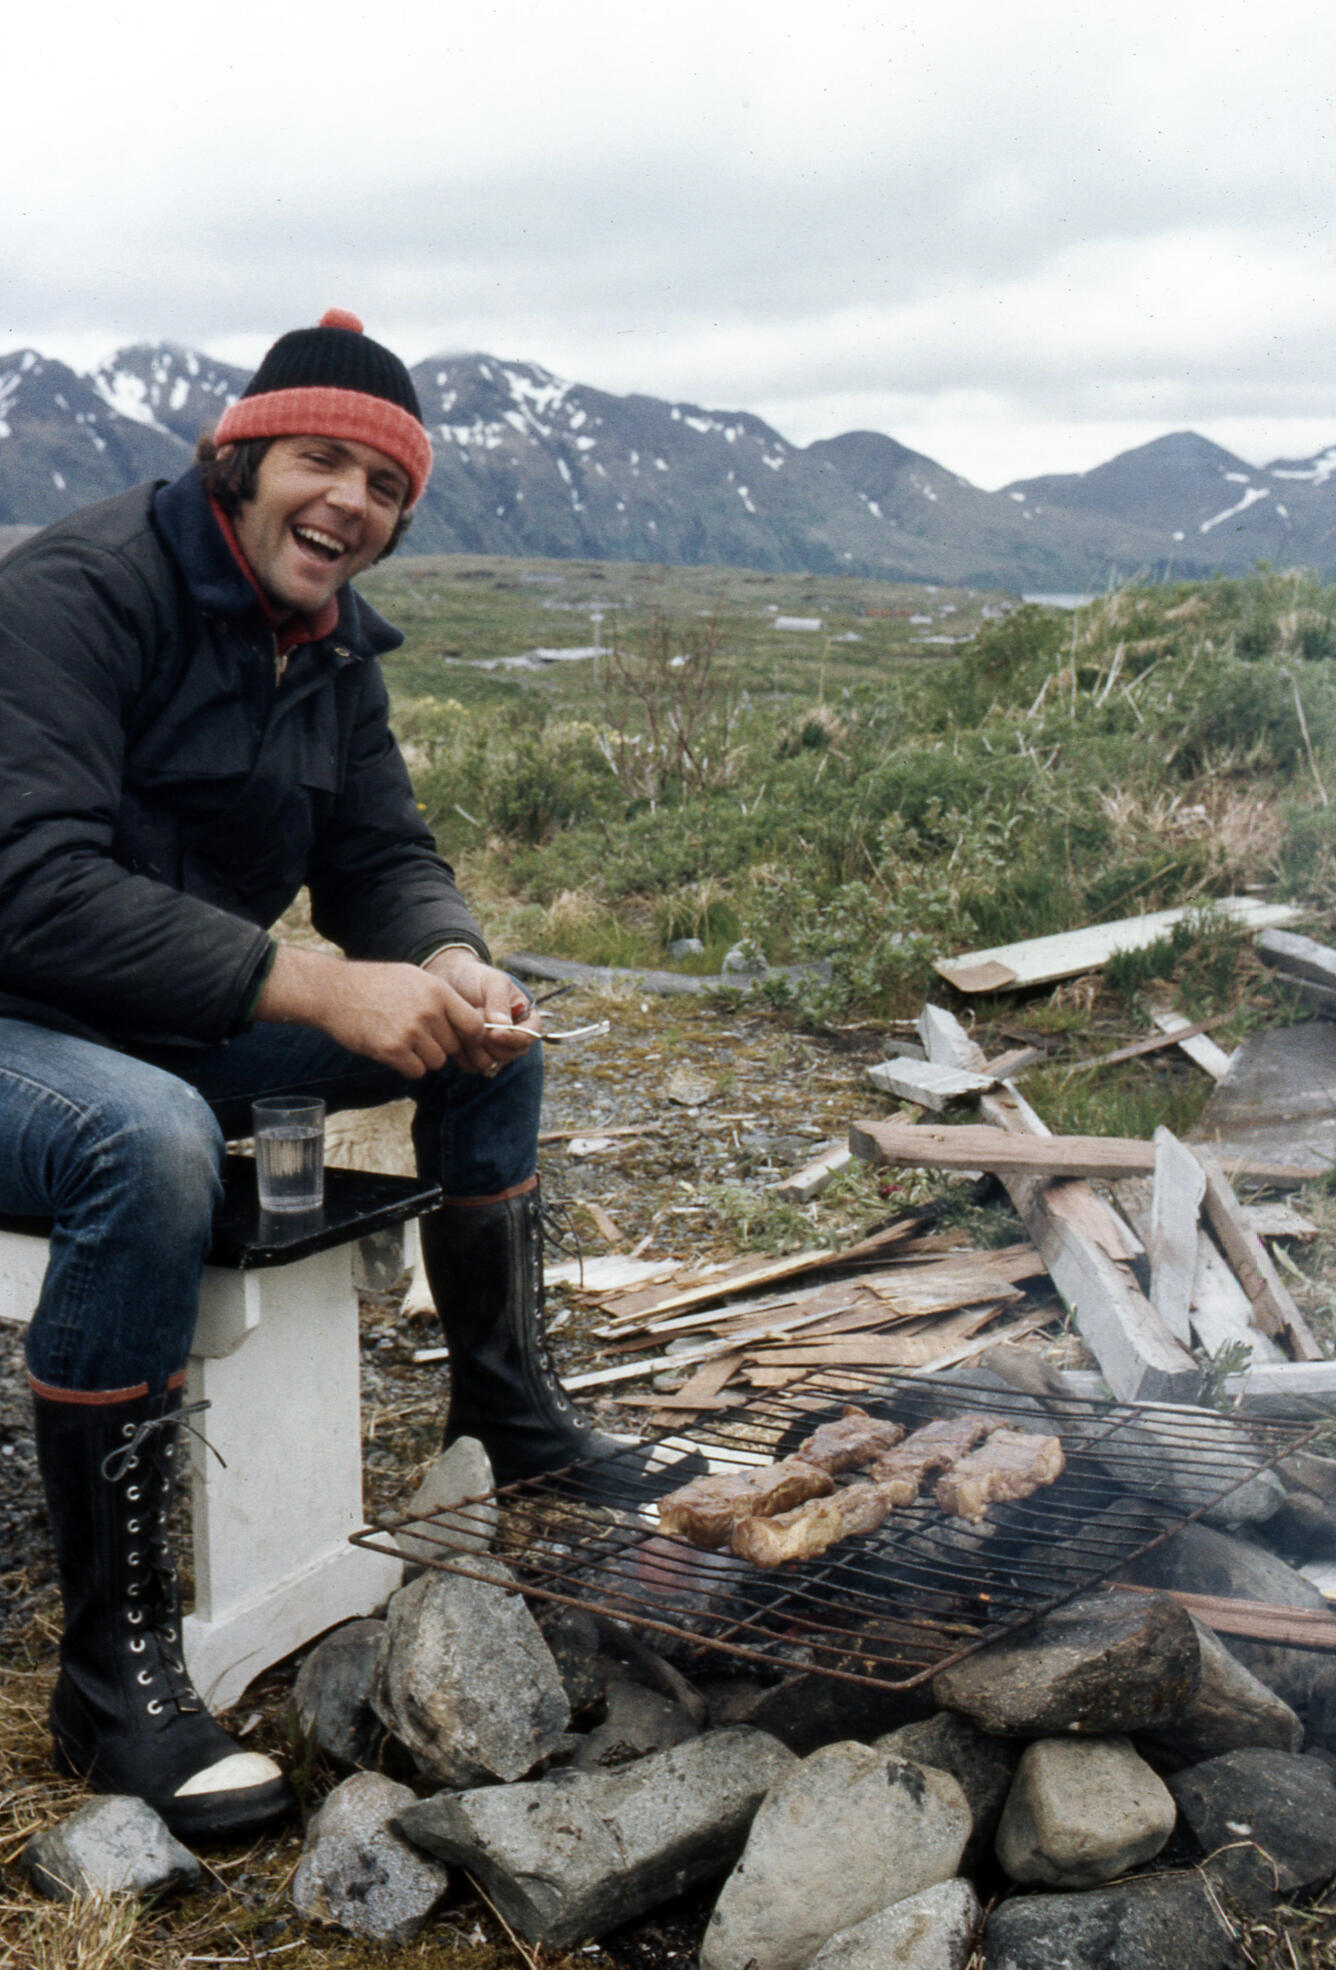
(855, 1439)
(1012, 1464)
(807, 1530)
(936, 1447)
(705, 1511)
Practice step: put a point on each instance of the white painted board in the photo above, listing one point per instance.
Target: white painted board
(1040, 960)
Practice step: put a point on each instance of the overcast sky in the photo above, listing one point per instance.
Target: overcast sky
(1017, 235)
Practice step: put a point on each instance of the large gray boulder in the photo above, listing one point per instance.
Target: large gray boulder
(467, 1682)
(332, 1694)
(1157, 1461)
(1203, 1560)
(1081, 1811)
(111, 1846)
(1269, 1817)
(846, 1833)
(637, 1721)
(982, 1766)
(454, 1496)
(1157, 1922)
(579, 1853)
(934, 1930)
(1110, 1662)
(1232, 1709)
(358, 1873)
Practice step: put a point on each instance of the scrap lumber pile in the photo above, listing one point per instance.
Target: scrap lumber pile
(1173, 1214)
(909, 1297)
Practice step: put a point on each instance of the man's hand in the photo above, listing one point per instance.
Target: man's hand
(407, 1017)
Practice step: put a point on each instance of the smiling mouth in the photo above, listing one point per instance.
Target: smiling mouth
(325, 545)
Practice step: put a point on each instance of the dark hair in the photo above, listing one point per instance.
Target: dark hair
(231, 474)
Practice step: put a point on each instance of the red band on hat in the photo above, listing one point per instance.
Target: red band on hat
(328, 413)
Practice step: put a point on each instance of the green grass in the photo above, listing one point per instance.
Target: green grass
(877, 802)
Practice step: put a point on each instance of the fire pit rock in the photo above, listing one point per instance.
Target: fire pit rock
(931, 1931)
(578, 1853)
(460, 1474)
(1232, 1710)
(638, 1721)
(358, 1873)
(332, 1694)
(1107, 1663)
(1153, 1462)
(1202, 1560)
(1145, 1924)
(111, 1846)
(983, 1767)
(467, 1682)
(847, 1833)
(1082, 1810)
(1267, 1817)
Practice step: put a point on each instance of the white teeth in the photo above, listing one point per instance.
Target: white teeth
(318, 539)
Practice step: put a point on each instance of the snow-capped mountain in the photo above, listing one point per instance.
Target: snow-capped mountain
(528, 464)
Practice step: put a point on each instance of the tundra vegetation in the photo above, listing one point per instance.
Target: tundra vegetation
(872, 792)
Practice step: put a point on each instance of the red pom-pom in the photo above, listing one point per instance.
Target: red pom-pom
(341, 318)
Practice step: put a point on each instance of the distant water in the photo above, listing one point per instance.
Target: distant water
(1060, 601)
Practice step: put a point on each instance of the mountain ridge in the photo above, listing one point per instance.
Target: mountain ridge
(531, 464)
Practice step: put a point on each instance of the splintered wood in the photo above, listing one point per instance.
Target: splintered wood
(903, 1298)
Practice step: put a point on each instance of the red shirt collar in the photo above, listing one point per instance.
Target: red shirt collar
(289, 630)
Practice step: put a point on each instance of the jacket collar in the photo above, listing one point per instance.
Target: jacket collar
(185, 518)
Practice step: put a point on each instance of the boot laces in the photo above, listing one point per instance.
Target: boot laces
(117, 1462)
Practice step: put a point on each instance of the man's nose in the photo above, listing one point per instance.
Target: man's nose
(349, 491)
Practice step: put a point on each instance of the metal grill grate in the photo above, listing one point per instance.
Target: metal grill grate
(890, 1608)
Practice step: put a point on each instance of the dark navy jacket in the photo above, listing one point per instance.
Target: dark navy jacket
(163, 797)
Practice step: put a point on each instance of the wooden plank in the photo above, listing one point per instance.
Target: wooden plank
(1275, 1219)
(908, 1350)
(1300, 1381)
(605, 1226)
(1298, 957)
(1221, 1311)
(739, 1280)
(975, 1145)
(1204, 1053)
(813, 1177)
(925, 1083)
(702, 1389)
(1272, 1304)
(926, 1351)
(1175, 1207)
(1137, 1355)
(1041, 960)
(1087, 1214)
(942, 1288)
(1009, 1066)
(1262, 1621)
(1139, 1047)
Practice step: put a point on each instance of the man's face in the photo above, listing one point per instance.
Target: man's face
(324, 509)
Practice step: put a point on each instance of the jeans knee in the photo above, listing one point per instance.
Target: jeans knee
(165, 1156)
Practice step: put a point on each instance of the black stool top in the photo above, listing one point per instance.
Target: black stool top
(357, 1202)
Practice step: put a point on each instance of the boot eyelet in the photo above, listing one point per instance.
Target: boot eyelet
(134, 1494)
(134, 1615)
(133, 1591)
(169, 1634)
(138, 1644)
(145, 1679)
(154, 1709)
(128, 1429)
(132, 1525)
(132, 1559)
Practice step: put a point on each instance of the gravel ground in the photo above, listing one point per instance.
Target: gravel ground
(734, 1102)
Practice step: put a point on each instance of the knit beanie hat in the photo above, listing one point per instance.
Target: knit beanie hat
(334, 382)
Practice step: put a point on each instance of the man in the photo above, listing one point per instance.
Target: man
(193, 724)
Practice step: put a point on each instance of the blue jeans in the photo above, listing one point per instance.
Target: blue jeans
(123, 1153)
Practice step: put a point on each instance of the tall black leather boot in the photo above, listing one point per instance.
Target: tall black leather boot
(125, 1715)
(484, 1263)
